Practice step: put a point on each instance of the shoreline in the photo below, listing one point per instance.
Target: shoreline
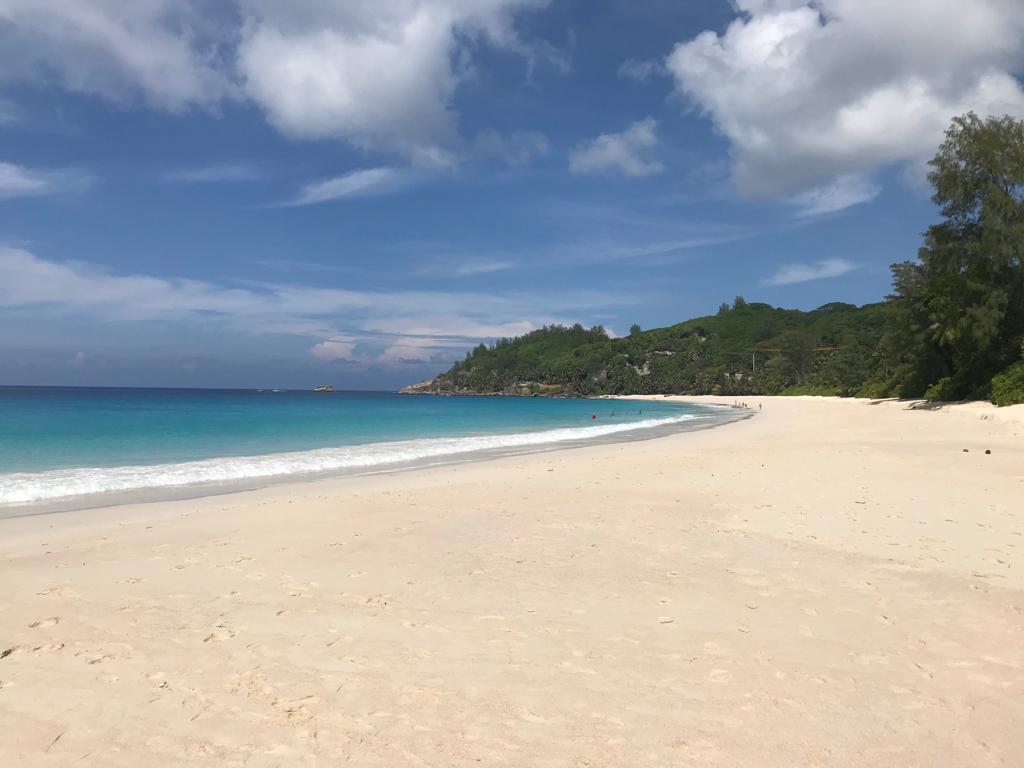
(458, 450)
(830, 583)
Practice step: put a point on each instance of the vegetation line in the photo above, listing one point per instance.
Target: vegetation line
(953, 328)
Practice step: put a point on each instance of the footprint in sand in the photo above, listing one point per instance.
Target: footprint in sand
(530, 717)
(48, 648)
(297, 709)
(58, 592)
(220, 633)
(50, 622)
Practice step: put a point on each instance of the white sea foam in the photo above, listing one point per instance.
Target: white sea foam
(27, 487)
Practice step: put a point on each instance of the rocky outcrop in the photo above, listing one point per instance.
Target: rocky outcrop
(442, 385)
(428, 387)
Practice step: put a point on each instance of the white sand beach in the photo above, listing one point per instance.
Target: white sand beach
(829, 583)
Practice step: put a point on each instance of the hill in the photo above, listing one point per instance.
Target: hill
(747, 348)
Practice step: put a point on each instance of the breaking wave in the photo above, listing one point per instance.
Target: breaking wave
(28, 487)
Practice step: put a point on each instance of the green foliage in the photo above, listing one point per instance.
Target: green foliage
(751, 349)
(1008, 386)
(944, 390)
(813, 390)
(953, 328)
(958, 311)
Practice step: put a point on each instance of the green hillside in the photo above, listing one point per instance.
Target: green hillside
(744, 349)
(952, 329)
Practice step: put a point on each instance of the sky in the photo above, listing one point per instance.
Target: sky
(255, 193)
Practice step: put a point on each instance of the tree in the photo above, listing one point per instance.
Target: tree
(797, 358)
(958, 311)
(635, 329)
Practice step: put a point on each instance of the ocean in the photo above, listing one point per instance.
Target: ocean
(96, 445)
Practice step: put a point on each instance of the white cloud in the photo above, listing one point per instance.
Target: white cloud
(641, 71)
(10, 113)
(516, 150)
(159, 50)
(19, 181)
(211, 174)
(334, 349)
(808, 91)
(482, 267)
(333, 317)
(381, 75)
(790, 274)
(844, 192)
(448, 324)
(619, 152)
(413, 349)
(364, 183)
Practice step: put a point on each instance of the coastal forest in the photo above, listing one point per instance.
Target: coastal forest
(952, 329)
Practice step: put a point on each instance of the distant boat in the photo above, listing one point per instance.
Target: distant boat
(324, 388)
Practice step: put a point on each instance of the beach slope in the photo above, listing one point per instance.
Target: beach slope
(829, 583)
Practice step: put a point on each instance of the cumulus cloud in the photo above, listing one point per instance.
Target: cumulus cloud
(160, 50)
(381, 75)
(619, 152)
(334, 349)
(364, 183)
(808, 90)
(790, 274)
(19, 181)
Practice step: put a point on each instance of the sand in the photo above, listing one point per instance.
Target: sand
(830, 583)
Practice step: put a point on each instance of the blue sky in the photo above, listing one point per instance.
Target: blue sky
(356, 192)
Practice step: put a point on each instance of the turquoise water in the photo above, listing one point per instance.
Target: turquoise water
(60, 442)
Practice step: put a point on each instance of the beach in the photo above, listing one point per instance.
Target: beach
(828, 583)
